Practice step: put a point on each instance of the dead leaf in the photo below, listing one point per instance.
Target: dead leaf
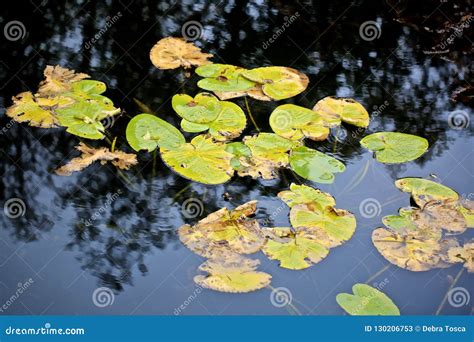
(58, 80)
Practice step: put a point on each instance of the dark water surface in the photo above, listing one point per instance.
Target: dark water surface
(132, 247)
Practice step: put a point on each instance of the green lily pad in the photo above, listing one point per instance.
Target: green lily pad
(367, 301)
(334, 110)
(88, 87)
(402, 222)
(338, 224)
(278, 82)
(314, 165)
(424, 190)
(223, 78)
(147, 132)
(303, 194)
(238, 150)
(466, 208)
(228, 125)
(296, 250)
(203, 108)
(202, 161)
(295, 122)
(394, 147)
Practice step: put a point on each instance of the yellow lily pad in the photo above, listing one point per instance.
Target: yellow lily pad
(58, 80)
(464, 255)
(334, 110)
(303, 194)
(424, 190)
(201, 109)
(367, 301)
(441, 214)
(172, 53)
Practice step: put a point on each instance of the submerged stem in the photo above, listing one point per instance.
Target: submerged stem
(250, 113)
(447, 292)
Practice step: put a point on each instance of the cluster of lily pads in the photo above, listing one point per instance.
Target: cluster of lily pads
(224, 236)
(421, 238)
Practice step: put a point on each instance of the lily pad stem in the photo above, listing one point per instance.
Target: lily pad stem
(447, 292)
(250, 113)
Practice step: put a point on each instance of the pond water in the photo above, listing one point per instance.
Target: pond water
(98, 228)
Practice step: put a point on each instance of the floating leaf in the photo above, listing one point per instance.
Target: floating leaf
(466, 208)
(238, 150)
(412, 250)
(277, 82)
(314, 165)
(202, 161)
(269, 152)
(171, 53)
(58, 80)
(147, 132)
(303, 194)
(233, 274)
(295, 123)
(424, 191)
(228, 125)
(223, 78)
(338, 224)
(296, 250)
(394, 147)
(334, 110)
(464, 254)
(441, 214)
(203, 108)
(367, 301)
(402, 222)
(90, 155)
(224, 231)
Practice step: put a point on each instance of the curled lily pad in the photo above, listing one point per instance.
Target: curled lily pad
(412, 250)
(338, 224)
(233, 274)
(314, 165)
(303, 194)
(201, 160)
(278, 82)
(147, 132)
(223, 78)
(334, 110)
(203, 108)
(296, 250)
(172, 53)
(224, 231)
(269, 152)
(58, 80)
(464, 255)
(295, 122)
(229, 124)
(424, 190)
(367, 301)
(394, 147)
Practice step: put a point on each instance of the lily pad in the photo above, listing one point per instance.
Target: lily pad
(441, 214)
(464, 255)
(334, 110)
(228, 125)
(400, 223)
(296, 250)
(394, 147)
(171, 53)
(314, 165)
(203, 108)
(147, 132)
(234, 274)
(202, 161)
(223, 78)
(295, 123)
(278, 82)
(58, 80)
(424, 190)
(238, 150)
(224, 231)
(338, 224)
(466, 208)
(367, 301)
(303, 194)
